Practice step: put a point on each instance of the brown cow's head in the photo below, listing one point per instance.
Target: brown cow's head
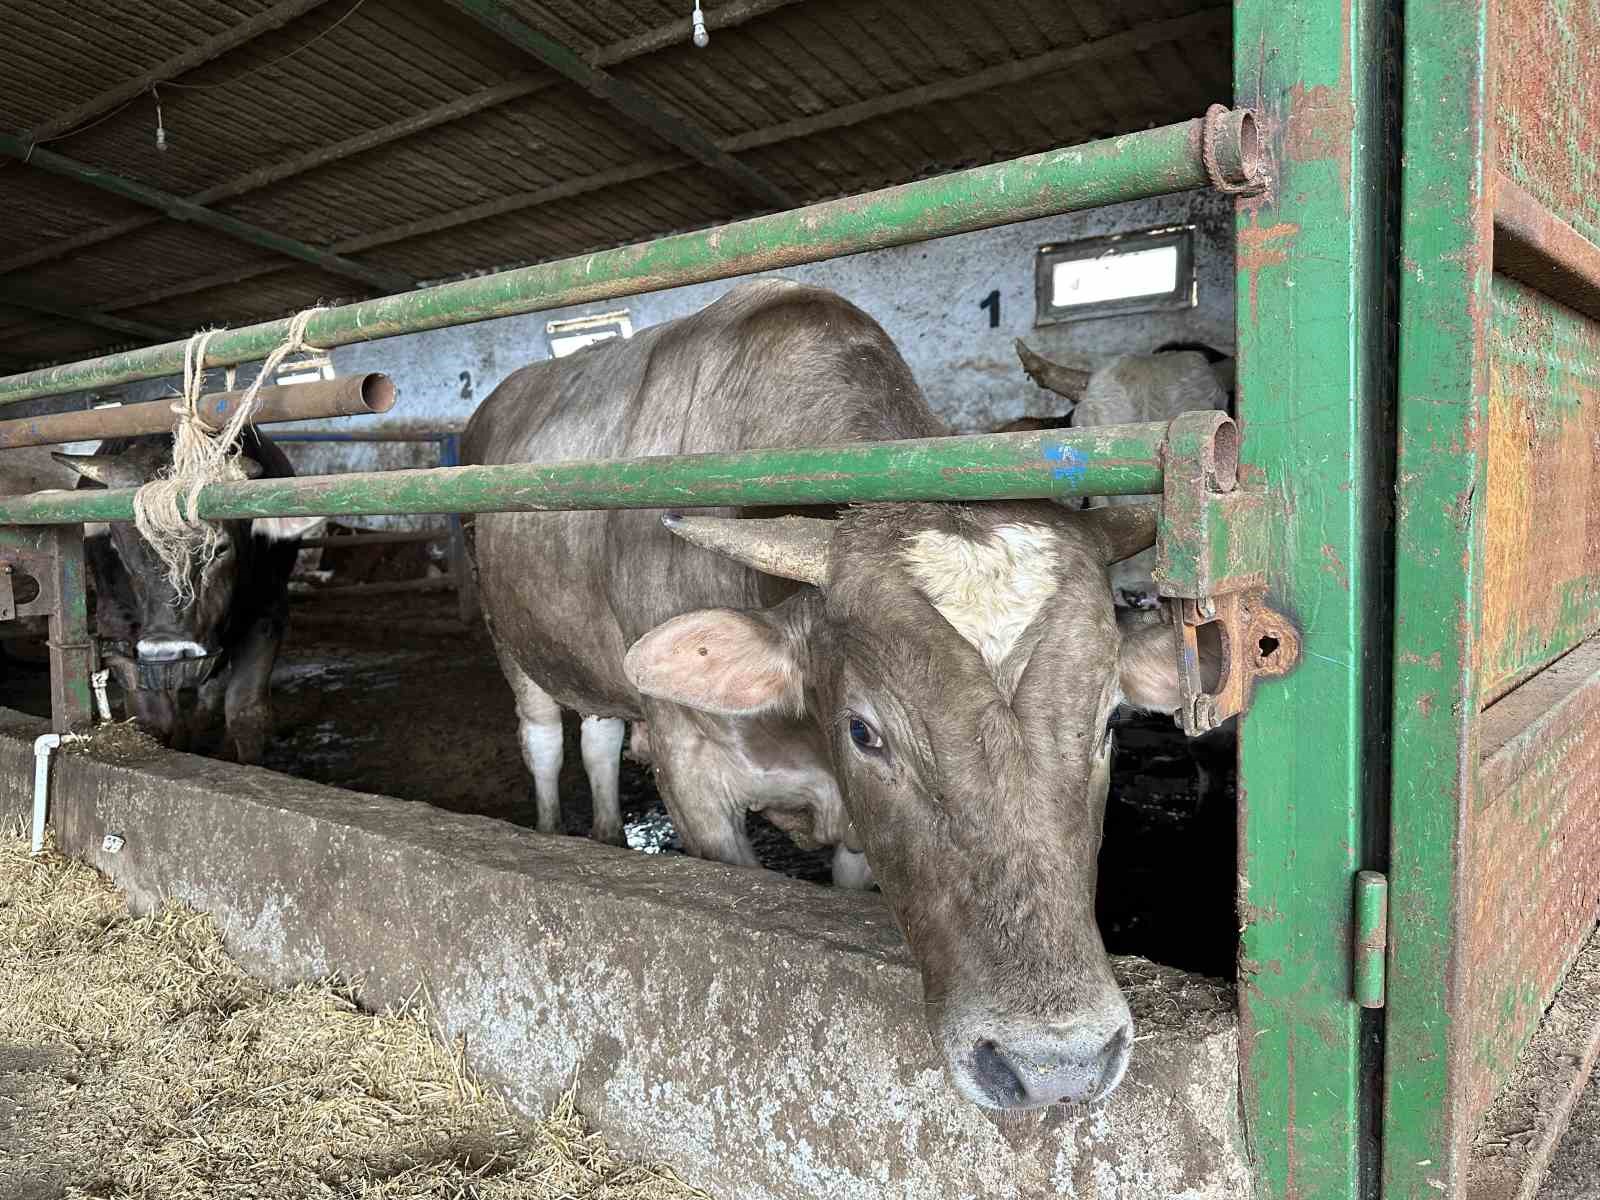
(963, 662)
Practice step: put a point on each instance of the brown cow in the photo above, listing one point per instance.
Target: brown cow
(930, 682)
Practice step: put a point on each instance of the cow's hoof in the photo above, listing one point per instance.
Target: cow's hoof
(246, 744)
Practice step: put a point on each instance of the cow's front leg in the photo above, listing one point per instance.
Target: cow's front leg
(156, 712)
(207, 710)
(602, 760)
(248, 698)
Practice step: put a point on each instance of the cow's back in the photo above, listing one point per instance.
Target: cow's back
(771, 364)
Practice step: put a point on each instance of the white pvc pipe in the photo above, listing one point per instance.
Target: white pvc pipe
(43, 745)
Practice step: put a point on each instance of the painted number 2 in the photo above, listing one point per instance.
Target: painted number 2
(992, 303)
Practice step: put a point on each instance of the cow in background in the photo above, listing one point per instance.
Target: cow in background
(1177, 377)
(224, 642)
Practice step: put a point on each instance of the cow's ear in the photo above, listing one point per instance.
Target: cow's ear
(1148, 667)
(719, 660)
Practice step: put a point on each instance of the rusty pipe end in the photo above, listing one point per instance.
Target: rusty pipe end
(1224, 466)
(378, 392)
(1234, 151)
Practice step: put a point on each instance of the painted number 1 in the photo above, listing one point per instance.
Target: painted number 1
(992, 303)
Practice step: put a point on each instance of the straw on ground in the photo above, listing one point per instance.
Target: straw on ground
(137, 1060)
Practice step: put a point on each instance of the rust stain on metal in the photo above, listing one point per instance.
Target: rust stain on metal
(1332, 564)
(1532, 881)
(1319, 127)
(1547, 90)
(1541, 574)
(1425, 704)
(1260, 247)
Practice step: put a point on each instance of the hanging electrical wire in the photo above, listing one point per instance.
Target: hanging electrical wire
(306, 45)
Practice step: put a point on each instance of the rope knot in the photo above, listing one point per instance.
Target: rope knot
(166, 509)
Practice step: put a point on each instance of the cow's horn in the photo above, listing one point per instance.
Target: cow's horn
(1124, 529)
(791, 547)
(112, 470)
(1068, 379)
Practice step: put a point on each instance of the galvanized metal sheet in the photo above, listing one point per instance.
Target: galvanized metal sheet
(1532, 882)
(1541, 582)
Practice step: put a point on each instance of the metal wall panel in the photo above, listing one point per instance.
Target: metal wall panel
(1541, 582)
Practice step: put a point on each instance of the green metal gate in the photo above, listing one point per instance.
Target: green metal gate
(1382, 501)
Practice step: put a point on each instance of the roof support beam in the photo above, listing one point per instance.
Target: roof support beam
(1142, 37)
(97, 106)
(724, 16)
(261, 177)
(180, 209)
(624, 97)
(29, 302)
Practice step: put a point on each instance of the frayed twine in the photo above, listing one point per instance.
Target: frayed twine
(165, 510)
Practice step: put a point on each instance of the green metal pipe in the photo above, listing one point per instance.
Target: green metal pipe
(1152, 162)
(1112, 460)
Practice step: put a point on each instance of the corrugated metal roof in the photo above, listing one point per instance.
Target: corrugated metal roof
(406, 135)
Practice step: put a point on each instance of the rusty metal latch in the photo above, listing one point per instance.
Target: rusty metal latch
(1211, 555)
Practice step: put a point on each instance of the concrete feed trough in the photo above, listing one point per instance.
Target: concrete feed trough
(762, 1034)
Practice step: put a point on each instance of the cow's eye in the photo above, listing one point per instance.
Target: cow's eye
(864, 735)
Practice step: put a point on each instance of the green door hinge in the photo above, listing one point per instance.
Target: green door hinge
(1371, 937)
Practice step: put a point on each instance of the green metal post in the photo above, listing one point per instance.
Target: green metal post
(1446, 239)
(71, 652)
(1137, 165)
(1111, 460)
(1311, 397)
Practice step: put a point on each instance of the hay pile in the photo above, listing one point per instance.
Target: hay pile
(137, 1060)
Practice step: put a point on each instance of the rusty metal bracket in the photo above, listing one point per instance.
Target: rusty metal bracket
(1240, 639)
(1211, 569)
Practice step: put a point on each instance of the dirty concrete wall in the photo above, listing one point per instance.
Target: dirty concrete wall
(930, 297)
(763, 1035)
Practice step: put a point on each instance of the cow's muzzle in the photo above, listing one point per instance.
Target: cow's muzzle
(160, 666)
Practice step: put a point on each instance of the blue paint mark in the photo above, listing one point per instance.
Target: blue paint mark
(1073, 463)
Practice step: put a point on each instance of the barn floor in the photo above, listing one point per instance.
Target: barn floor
(383, 695)
(138, 1060)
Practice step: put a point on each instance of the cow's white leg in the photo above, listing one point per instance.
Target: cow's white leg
(602, 758)
(539, 734)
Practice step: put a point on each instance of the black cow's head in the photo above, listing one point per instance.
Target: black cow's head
(177, 640)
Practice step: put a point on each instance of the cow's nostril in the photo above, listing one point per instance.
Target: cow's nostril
(996, 1077)
(1114, 1058)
